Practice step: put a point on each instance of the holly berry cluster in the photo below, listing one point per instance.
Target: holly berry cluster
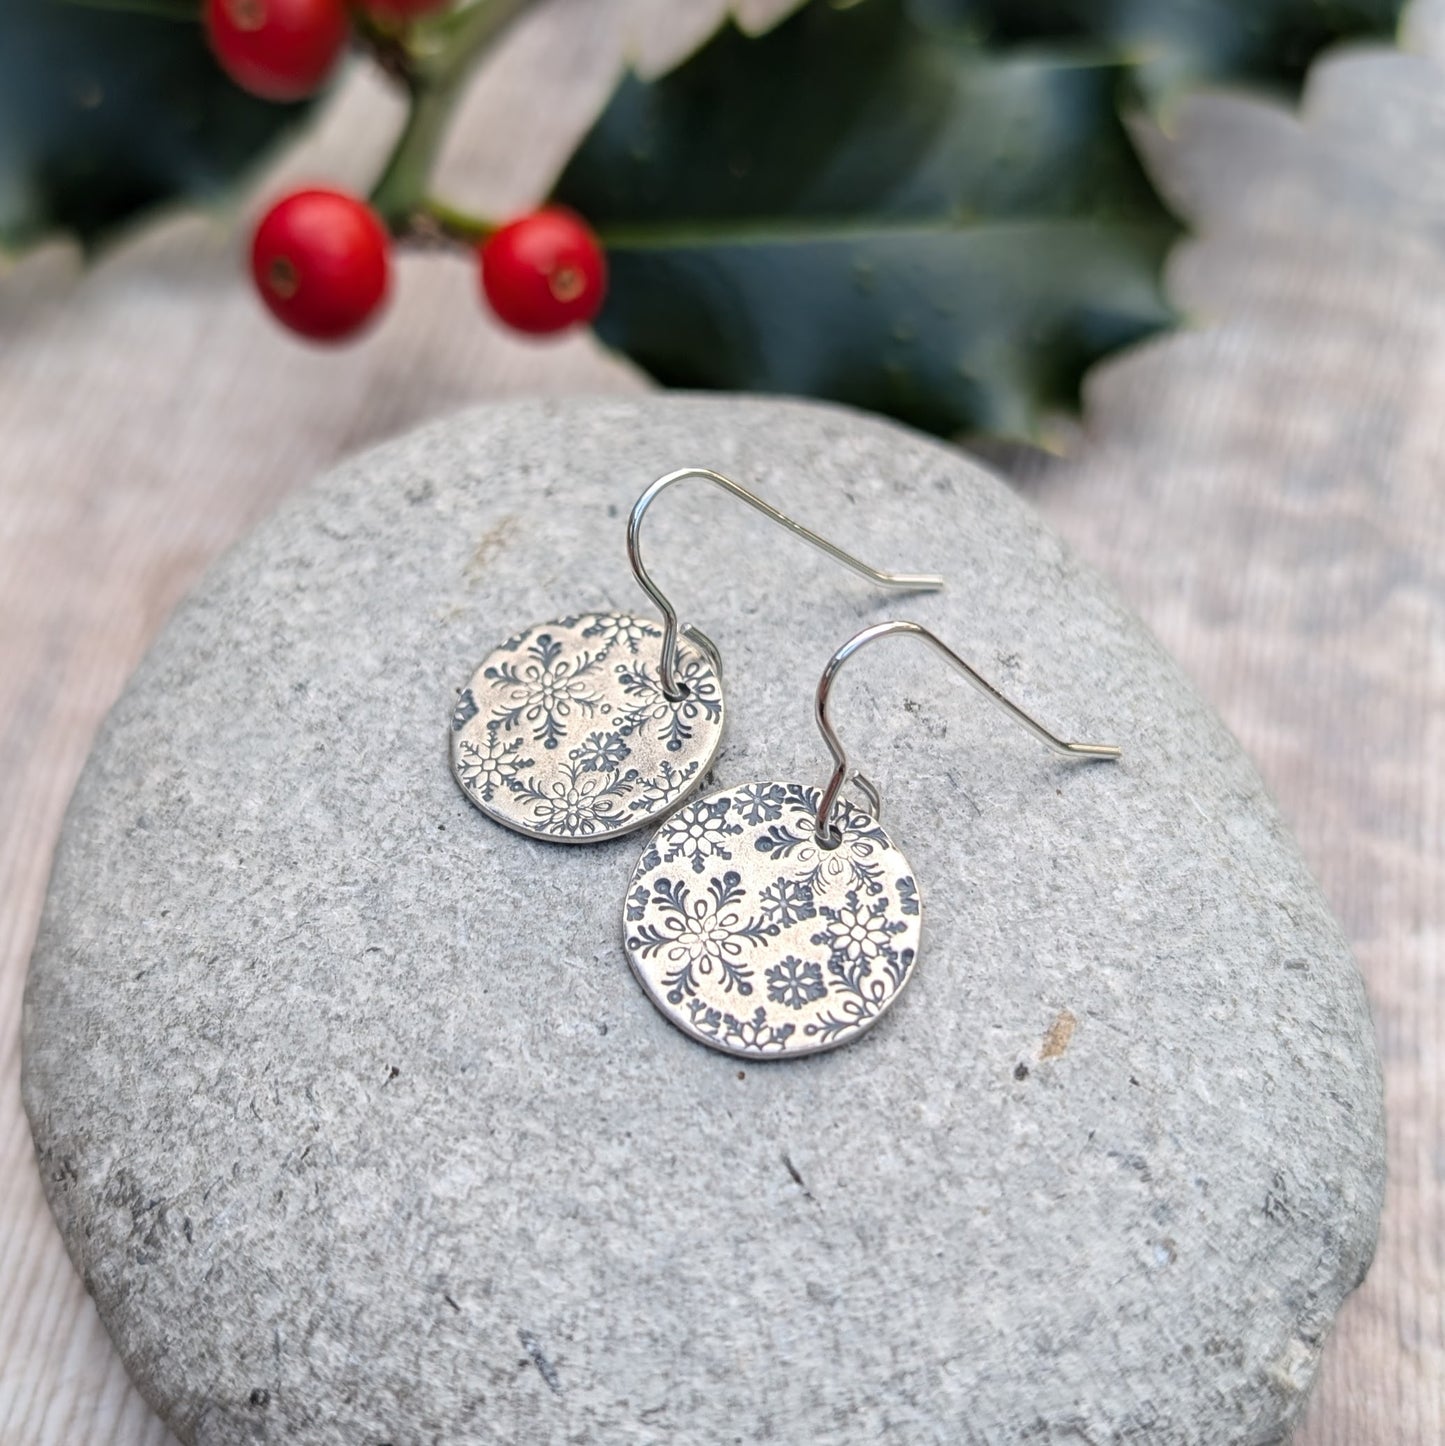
(321, 258)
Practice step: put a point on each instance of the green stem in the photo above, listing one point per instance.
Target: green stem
(464, 35)
(458, 225)
(435, 81)
(400, 190)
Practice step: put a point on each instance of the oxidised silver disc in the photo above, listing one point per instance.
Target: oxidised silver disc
(753, 938)
(564, 732)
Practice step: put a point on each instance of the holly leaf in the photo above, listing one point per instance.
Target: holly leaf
(1172, 44)
(870, 204)
(858, 207)
(105, 112)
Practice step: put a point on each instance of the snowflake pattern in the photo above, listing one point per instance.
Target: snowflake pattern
(702, 935)
(818, 953)
(545, 689)
(653, 712)
(564, 734)
(739, 1036)
(761, 802)
(578, 804)
(465, 710)
(858, 933)
(489, 764)
(908, 896)
(619, 630)
(700, 831)
(852, 864)
(666, 786)
(788, 901)
(600, 753)
(795, 982)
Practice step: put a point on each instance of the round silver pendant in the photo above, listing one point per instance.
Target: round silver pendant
(752, 937)
(564, 732)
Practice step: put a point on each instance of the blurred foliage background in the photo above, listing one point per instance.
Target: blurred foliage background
(931, 208)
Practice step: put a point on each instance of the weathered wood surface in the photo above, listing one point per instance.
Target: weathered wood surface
(1268, 489)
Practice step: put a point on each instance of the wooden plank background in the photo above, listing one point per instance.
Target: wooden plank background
(1267, 487)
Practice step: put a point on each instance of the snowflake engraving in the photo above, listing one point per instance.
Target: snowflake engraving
(788, 901)
(755, 1034)
(702, 934)
(761, 802)
(601, 753)
(576, 803)
(563, 733)
(546, 689)
(671, 721)
(852, 864)
(465, 710)
(491, 764)
(795, 983)
(819, 955)
(857, 933)
(667, 785)
(699, 831)
(908, 896)
(619, 630)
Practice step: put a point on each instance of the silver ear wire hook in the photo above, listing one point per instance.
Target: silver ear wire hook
(826, 833)
(912, 582)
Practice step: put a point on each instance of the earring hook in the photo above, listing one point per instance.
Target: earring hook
(826, 833)
(912, 582)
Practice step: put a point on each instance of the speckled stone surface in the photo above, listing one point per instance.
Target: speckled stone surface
(361, 1131)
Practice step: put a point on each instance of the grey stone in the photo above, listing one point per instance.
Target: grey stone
(360, 1129)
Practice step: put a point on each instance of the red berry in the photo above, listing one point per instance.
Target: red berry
(321, 261)
(277, 49)
(544, 271)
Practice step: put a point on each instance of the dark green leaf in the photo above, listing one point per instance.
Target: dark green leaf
(106, 109)
(1174, 43)
(985, 328)
(927, 207)
(857, 208)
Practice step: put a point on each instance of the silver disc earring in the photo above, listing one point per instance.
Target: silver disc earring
(774, 919)
(593, 725)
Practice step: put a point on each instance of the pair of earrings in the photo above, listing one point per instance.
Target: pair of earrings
(768, 919)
